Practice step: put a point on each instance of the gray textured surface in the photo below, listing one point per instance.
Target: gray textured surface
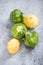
(25, 56)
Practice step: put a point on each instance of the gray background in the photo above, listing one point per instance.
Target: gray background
(25, 56)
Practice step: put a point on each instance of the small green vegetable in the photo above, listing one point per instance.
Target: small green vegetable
(31, 39)
(16, 16)
(18, 30)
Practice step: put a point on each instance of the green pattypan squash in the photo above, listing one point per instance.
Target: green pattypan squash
(31, 39)
(18, 30)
